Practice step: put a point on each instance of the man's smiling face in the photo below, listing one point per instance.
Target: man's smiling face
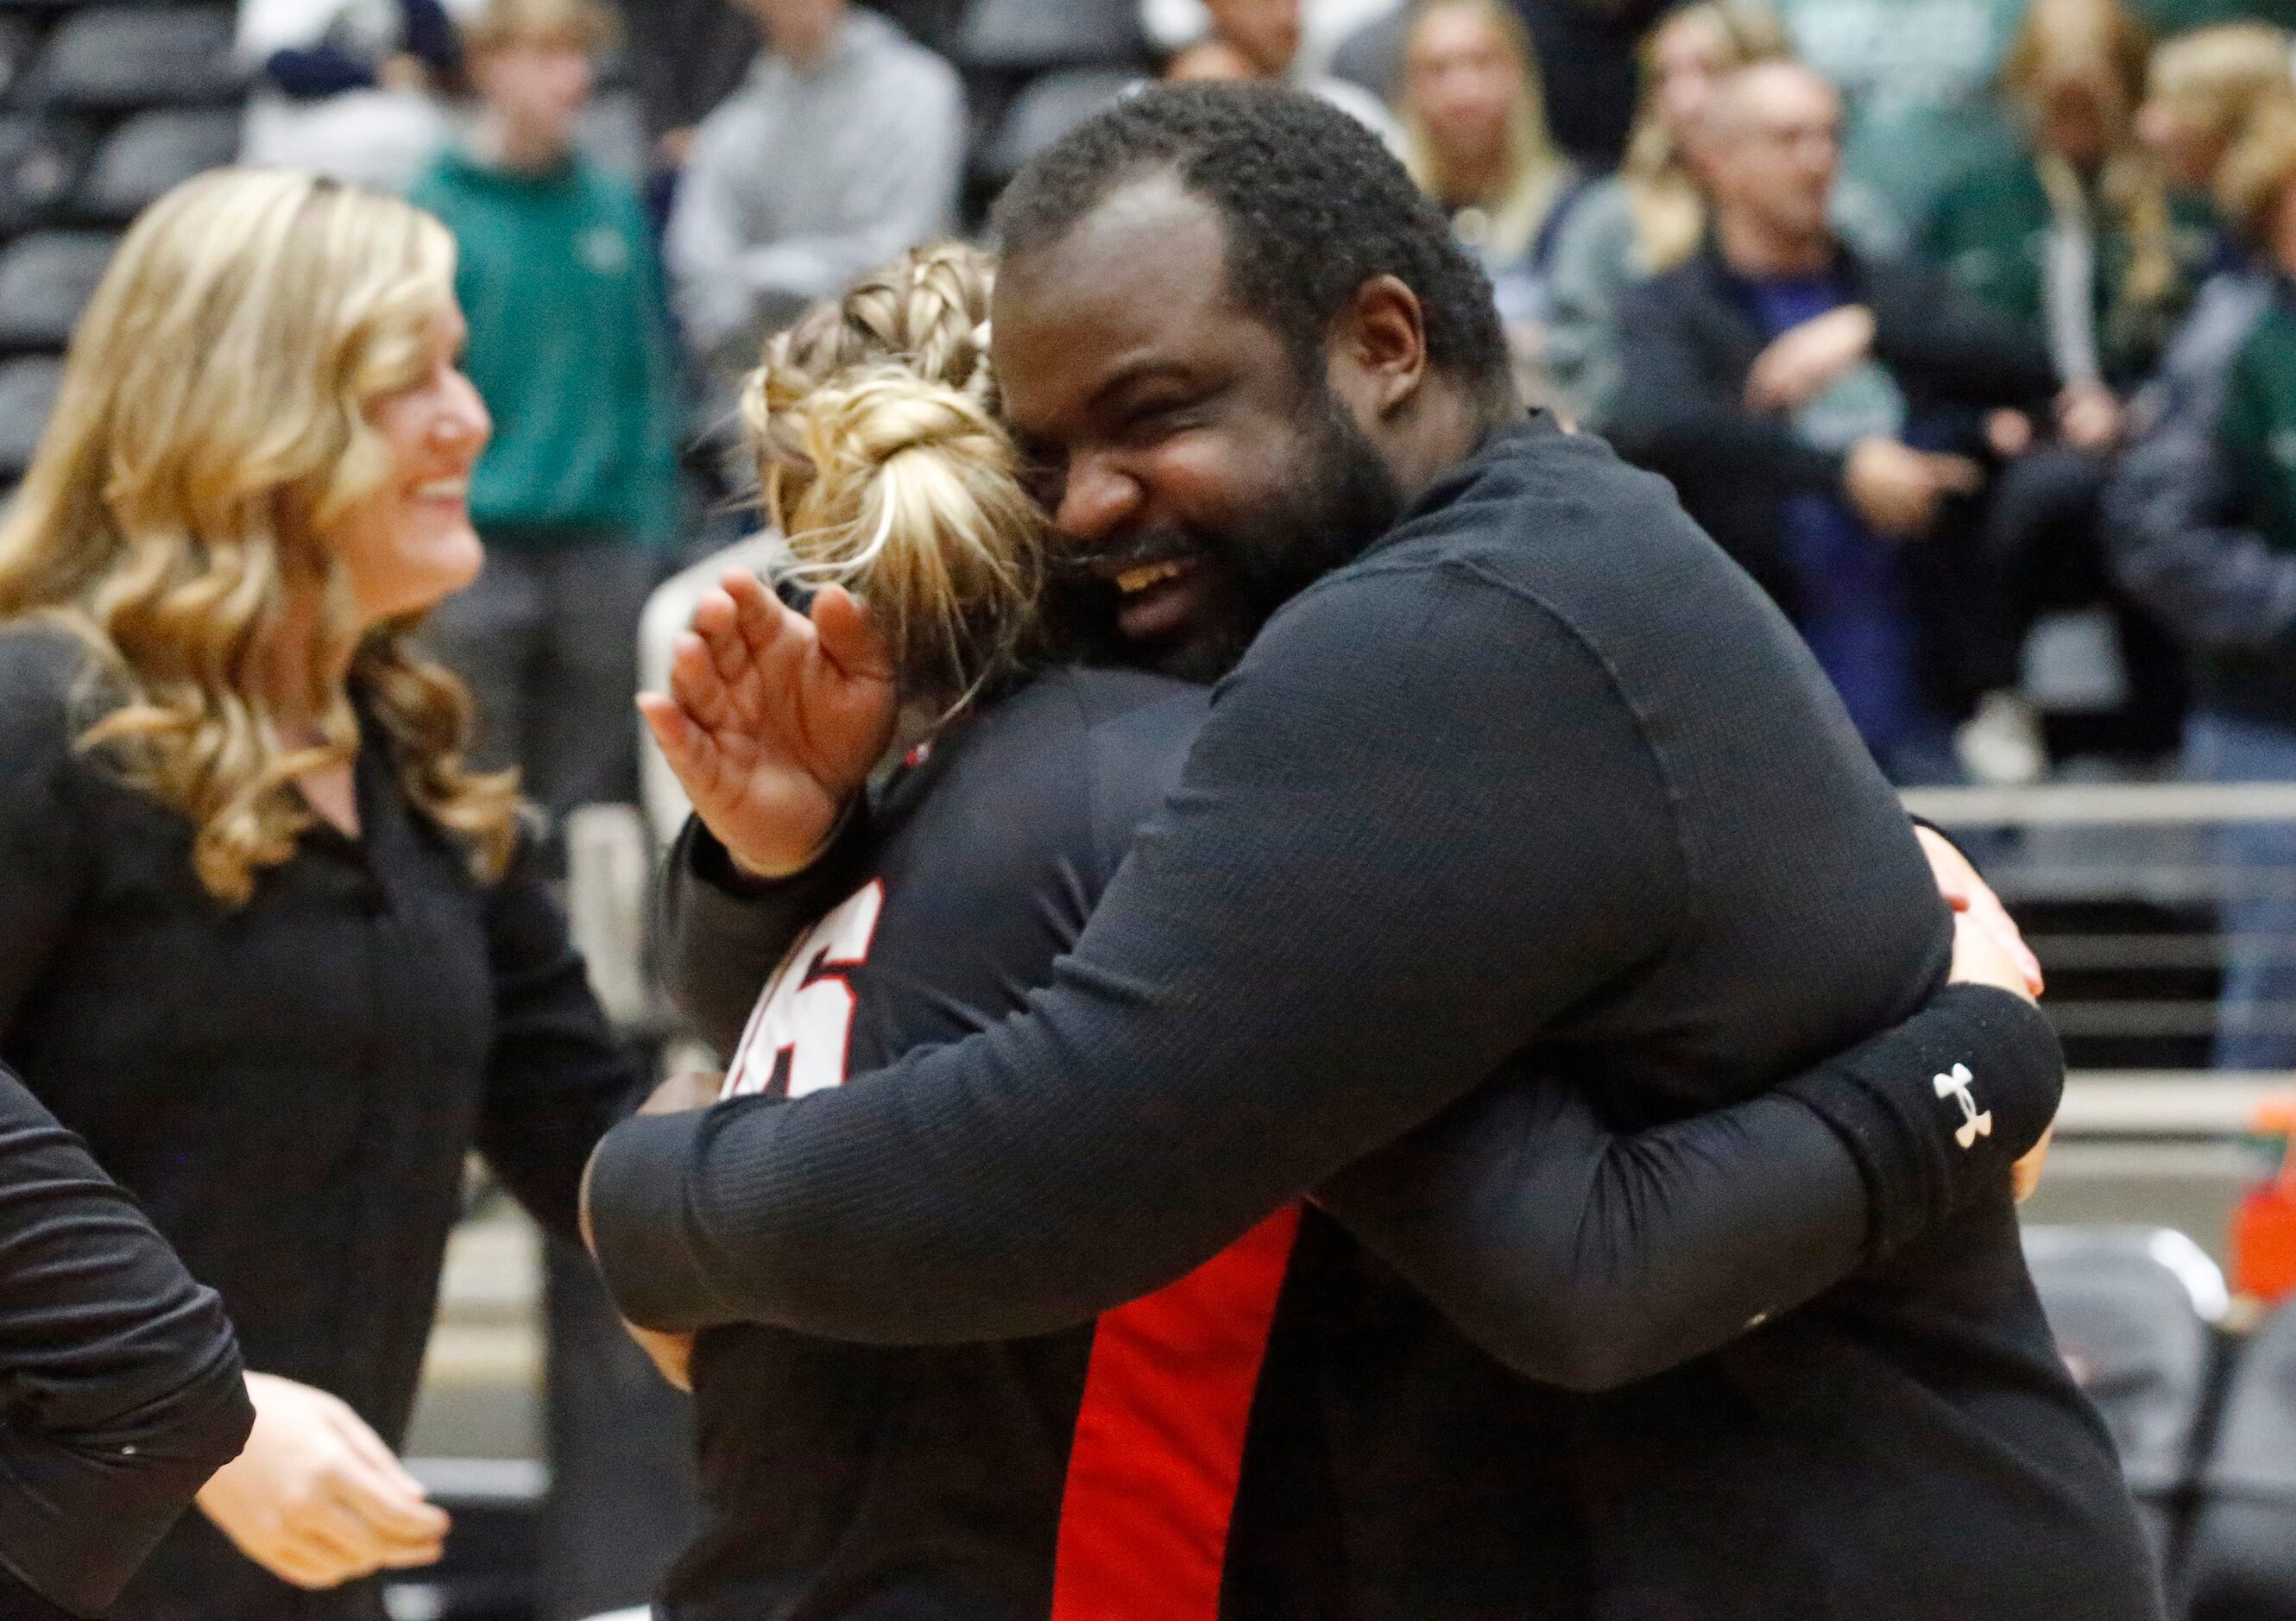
(1185, 458)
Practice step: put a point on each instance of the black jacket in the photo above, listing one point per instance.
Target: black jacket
(1689, 338)
(289, 1088)
(120, 1384)
(1540, 785)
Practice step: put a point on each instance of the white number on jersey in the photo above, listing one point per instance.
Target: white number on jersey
(810, 1020)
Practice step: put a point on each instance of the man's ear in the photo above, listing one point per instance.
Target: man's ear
(1379, 347)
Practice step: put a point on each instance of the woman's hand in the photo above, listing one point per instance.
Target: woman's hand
(1972, 899)
(772, 720)
(1988, 949)
(316, 1498)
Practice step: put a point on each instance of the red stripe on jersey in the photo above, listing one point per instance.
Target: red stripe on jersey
(1158, 1449)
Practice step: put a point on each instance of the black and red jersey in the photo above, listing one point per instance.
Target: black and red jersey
(1073, 1474)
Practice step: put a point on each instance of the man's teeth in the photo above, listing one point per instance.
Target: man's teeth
(1149, 574)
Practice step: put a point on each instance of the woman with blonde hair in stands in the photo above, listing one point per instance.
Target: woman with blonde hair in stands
(2201, 89)
(267, 945)
(2076, 238)
(1475, 139)
(1651, 216)
(1092, 1470)
(2075, 235)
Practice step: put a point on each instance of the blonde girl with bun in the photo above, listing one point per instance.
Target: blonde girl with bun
(851, 1480)
(267, 943)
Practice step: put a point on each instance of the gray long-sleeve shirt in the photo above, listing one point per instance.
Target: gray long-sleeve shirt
(2169, 512)
(803, 179)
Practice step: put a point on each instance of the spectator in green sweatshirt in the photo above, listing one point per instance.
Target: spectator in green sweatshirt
(578, 497)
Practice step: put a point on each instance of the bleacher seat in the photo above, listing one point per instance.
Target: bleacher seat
(2134, 1310)
(41, 162)
(2242, 1562)
(1048, 109)
(1027, 36)
(151, 152)
(46, 281)
(123, 59)
(28, 393)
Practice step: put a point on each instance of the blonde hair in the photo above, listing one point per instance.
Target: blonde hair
(586, 25)
(2259, 171)
(2219, 76)
(209, 431)
(1535, 170)
(883, 465)
(1668, 203)
(2101, 43)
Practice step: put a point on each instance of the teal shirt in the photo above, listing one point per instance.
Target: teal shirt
(1990, 232)
(570, 349)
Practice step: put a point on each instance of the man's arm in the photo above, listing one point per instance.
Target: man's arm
(1671, 417)
(1589, 1258)
(1923, 322)
(123, 1385)
(1356, 906)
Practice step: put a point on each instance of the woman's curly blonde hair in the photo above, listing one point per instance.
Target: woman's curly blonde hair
(210, 429)
(884, 467)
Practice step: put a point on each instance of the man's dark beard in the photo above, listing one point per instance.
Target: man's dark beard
(1339, 498)
(1342, 496)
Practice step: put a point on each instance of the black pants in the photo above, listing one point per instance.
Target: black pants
(2043, 538)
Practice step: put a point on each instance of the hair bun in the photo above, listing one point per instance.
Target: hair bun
(869, 419)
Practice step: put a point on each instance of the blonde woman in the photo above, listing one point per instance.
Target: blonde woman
(1651, 216)
(268, 946)
(1476, 140)
(1096, 1470)
(2201, 90)
(2074, 235)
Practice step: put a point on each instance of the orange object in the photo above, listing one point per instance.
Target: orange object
(2263, 1226)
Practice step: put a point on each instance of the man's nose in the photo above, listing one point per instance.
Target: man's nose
(1096, 500)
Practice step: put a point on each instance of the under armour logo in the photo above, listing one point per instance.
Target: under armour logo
(1975, 1122)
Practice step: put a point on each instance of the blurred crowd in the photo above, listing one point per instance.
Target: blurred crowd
(1965, 326)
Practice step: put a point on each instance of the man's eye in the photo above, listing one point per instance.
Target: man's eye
(1044, 479)
(1151, 423)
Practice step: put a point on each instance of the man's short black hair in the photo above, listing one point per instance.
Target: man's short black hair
(1314, 206)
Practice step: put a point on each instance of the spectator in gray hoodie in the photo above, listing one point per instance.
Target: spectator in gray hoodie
(843, 147)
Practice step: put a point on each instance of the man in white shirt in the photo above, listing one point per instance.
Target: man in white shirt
(844, 146)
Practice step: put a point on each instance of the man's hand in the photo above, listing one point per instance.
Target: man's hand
(316, 1498)
(2088, 415)
(773, 721)
(1897, 488)
(1802, 361)
(2008, 434)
